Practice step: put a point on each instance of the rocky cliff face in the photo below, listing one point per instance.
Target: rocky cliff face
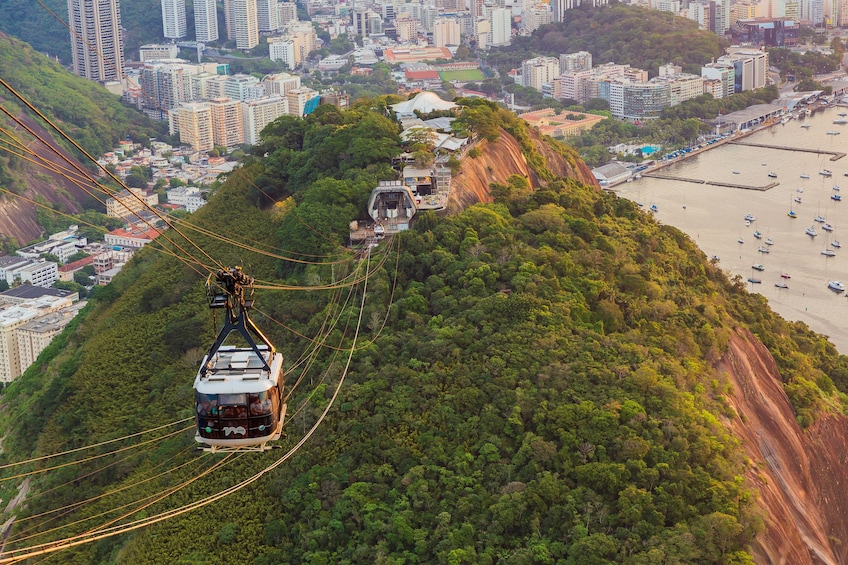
(18, 216)
(499, 160)
(801, 475)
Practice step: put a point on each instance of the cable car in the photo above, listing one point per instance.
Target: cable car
(238, 390)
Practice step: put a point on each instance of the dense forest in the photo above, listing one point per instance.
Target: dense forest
(618, 33)
(533, 381)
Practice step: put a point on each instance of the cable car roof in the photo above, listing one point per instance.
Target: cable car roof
(237, 370)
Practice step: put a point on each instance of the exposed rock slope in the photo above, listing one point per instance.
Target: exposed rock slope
(17, 216)
(801, 475)
(499, 160)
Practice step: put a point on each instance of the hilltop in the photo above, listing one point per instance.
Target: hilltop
(549, 377)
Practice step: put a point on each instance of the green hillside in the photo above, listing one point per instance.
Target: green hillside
(541, 391)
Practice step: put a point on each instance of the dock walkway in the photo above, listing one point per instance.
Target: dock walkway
(711, 182)
(834, 155)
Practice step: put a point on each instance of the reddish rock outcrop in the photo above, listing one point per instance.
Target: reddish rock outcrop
(498, 160)
(801, 475)
(17, 216)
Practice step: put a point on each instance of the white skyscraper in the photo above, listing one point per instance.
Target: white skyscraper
(245, 23)
(174, 19)
(501, 26)
(267, 15)
(97, 44)
(205, 21)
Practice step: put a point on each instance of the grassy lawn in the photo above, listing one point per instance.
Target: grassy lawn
(473, 74)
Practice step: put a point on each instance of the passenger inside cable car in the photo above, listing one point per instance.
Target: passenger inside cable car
(234, 416)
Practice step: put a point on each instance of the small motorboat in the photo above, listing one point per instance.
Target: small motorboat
(825, 173)
(654, 208)
(781, 285)
(836, 187)
(757, 234)
(740, 240)
(758, 267)
(836, 197)
(805, 176)
(819, 219)
(772, 175)
(763, 250)
(750, 217)
(811, 231)
(836, 286)
(768, 241)
(836, 244)
(754, 280)
(828, 253)
(715, 258)
(827, 227)
(785, 276)
(798, 199)
(792, 214)
(736, 173)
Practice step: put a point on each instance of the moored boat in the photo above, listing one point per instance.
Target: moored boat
(758, 267)
(811, 231)
(836, 286)
(781, 285)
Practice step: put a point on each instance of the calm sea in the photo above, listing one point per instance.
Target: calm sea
(714, 217)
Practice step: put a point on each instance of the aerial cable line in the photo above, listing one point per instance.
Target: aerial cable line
(107, 171)
(146, 499)
(102, 443)
(91, 458)
(75, 541)
(103, 188)
(18, 537)
(372, 341)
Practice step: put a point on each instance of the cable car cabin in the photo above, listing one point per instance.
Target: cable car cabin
(238, 401)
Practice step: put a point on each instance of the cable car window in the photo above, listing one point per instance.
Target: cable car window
(207, 404)
(232, 399)
(260, 404)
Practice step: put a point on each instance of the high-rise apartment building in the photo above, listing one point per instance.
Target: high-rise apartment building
(245, 23)
(205, 21)
(407, 29)
(174, 19)
(535, 17)
(97, 45)
(501, 30)
(580, 61)
(286, 12)
(193, 120)
(164, 87)
(227, 122)
(446, 31)
(267, 15)
(538, 71)
(257, 114)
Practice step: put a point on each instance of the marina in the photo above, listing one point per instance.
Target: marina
(715, 186)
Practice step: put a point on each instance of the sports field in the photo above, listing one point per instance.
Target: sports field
(472, 74)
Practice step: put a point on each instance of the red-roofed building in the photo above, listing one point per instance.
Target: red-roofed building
(66, 272)
(429, 79)
(130, 238)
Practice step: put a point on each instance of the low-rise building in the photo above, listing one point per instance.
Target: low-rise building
(130, 238)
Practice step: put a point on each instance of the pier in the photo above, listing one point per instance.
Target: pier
(834, 155)
(712, 182)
